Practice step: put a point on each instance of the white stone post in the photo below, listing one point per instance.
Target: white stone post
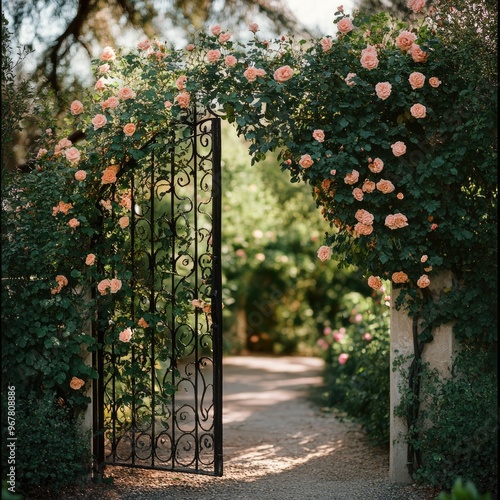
(439, 354)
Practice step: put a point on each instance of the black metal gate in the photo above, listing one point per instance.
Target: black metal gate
(158, 399)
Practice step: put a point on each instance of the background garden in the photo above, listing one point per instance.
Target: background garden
(279, 297)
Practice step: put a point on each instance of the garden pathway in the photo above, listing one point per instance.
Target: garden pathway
(277, 446)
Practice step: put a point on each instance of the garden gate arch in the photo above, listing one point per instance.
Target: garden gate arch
(158, 405)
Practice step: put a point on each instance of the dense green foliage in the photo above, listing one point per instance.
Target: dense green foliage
(461, 491)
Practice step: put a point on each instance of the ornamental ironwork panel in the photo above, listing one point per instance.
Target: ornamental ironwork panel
(158, 400)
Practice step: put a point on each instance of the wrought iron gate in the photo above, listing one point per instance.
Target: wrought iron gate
(158, 399)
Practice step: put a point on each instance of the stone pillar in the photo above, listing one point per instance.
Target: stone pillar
(439, 354)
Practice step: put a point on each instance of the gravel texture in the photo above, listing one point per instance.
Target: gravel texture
(277, 446)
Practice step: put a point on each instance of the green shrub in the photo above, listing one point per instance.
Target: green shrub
(463, 492)
(51, 450)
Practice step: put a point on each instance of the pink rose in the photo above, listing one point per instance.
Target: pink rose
(254, 27)
(326, 44)
(385, 186)
(111, 102)
(396, 221)
(143, 323)
(100, 84)
(416, 5)
(109, 174)
(343, 358)
(125, 335)
(352, 177)
(41, 152)
(168, 104)
(399, 277)
(417, 54)
(363, 229)
(190, 47)
(64, 143)
(340, 8)
(368, 186)
(90, 259)
(216, 30)
(400, 196)
(358, 194)
(80, 175)
(230, 61)
(126, 93)
(213, 55)
(183, 99)
(324, 253)
(103, 286)
(73, 223)
(405, 40)
(423, 258)
(306, 161)
(398, 148)
(345, 25)
(423, 281)
(129, 129)
(434, 82)
(145, 45)
(349, 79)
(99, 121)
(418, 111)
(283, 74)
(61, 280)
(76, 108)
(383, 90)
(103, 68)
(76, 383)
(224, 37)
(73, 155)
(367, 336)
(376, 166)
(364, 217)
(319, 135)
(375, 282)
(369, 59)
(108, 54)
(115, 285)
(124, 222)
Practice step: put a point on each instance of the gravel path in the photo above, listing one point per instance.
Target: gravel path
(277, 446)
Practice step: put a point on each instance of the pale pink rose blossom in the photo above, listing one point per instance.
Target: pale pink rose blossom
(319, 135)
(260, 72)
(326, 44)
(61, 280)
(254, 27)
(367, 336)
(64, 143)
(224, 37)
(180, 83)
(100, 84)
(383, 90)
(400, 196)
(351, 177)
(106, 204)
(418, 111)
(129, 129)
(108, 54)
(349, 79)
(416, 5)
(213, 55)
(76, 108)
(99, 121)
(368, 186)
(423, 281)
(396, 221)
(168, 104)
(124, 222)
(424, 258)
(109, 174)
(126, 93)
(73, 223)
(398, 148)
(143, 323)
(364, 216)
(104, 68)
(230, 61)
(375, 282)
(333, 171)
(76, 383)
(41, 152)
(250, 73)
(340, 8)
(434, 227)
(125, 335)
(358, 194)
(369, 59)
(434, 82)
(216, 30)
(376, 166)
(283, 74)
(405, 40)
(80, 175)
(115, 285)
(306, 161)
(385, 186)
(324, 253)
(90, 259)
(363, 229)
(345, 25)
(111, 103)
(338, 335)
(73, 155)
(399, 277)
(428, 269)
(417, 54)
(103, 286)
(183, 99)
(343, 358)
(144, 45)
(190, 47)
